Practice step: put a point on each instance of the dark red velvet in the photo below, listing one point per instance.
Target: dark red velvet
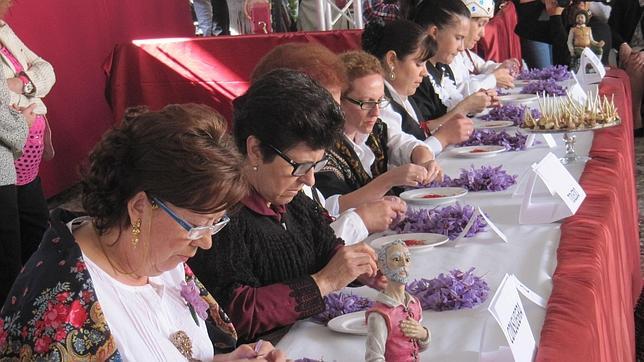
(597, 281)
(76, 37)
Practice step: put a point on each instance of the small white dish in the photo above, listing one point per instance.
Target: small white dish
(433, 195)
(416, 242)
(517, 99)
(479, 124)
(351, 323)
(478, 151)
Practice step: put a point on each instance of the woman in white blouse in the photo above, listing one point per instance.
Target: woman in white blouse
(370, 159)
(113, 285)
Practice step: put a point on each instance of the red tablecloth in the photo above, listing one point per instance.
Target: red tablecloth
(597, 281)
(76, 37)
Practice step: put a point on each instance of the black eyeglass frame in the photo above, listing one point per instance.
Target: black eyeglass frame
(300, 169)
(381, 103)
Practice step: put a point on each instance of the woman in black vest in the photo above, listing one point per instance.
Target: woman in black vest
(403, 49)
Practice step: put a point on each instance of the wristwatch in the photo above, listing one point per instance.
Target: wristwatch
(27, 86)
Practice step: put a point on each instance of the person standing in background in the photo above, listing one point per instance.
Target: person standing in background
(212, 17)
(28, 79)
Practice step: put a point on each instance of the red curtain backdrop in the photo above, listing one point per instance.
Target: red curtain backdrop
(77, 37)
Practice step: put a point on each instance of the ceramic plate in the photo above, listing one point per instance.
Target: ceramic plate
(478, 151)
(415, 242)
(517, 99)
(433, 195)
(492, 124)
(352, 323)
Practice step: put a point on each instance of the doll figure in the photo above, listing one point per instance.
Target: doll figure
(581, 36)
(393, 323)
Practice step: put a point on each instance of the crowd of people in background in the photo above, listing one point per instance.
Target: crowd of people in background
(290, 196)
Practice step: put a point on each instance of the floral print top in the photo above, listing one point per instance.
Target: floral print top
(52, 313)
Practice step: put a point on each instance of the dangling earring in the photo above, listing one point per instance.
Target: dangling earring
(136, 231)
(392, 74)
(255, 168)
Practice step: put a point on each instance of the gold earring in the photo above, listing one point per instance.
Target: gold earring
(255, 168)
(392, 74)
(136, 231)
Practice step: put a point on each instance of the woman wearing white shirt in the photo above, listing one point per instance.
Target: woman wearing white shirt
(471, 72)
(369, 160)
(403, 48)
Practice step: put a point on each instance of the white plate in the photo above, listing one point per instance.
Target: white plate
(514, 99)
(430, 240)
(446, 194)
(352, 323)
(478, 151)
(492, 124)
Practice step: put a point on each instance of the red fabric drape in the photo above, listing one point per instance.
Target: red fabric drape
(597, 281)
(76, 37)
(500, 42)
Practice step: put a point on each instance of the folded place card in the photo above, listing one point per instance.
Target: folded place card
(508, 311)
(566, 191)
(591, 70)
(479, 212)
(547, 138)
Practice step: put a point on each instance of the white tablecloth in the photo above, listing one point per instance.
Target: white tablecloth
(461, 335)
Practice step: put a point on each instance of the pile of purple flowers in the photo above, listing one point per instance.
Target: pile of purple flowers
(548, 86)
(337, 304)
(487, 137)
(455, 290)
(556, 73)
(449, 220)
(510, 113)
(486, 178)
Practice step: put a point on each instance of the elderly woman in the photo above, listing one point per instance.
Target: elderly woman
(353, 224)
(278, 257)
(113, 285)
(358, 162)
(403, 49)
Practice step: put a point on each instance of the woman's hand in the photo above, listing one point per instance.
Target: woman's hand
(503, 77)
(474, 103)
(413, 329)
(406, 175)
(348, 263)
(246, 353)
(552, 7)
(455, 130)
(15, 85)
(378, 215)
(434, 172)
(27, 112)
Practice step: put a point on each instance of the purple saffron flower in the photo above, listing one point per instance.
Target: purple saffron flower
(190, 292)
(556, 73)
(510, 113)
(486, 178)
(548, 86)
(455, 290)
(448, 220)
(488, 137)
(337, 304)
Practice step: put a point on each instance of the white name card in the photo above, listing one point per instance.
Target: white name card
(547, 138)
(568, 194)
(508, 311)
(586, 77)
(479, 212)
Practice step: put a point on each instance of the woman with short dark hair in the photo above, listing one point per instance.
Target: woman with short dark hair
(113, 285)
(278, 257)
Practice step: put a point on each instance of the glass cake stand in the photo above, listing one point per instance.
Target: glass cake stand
(569, 138)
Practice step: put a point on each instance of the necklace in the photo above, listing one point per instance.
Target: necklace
(183, 343)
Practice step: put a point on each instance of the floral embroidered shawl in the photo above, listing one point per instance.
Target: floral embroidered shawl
(52, 313)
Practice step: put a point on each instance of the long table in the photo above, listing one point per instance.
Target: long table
(587, 266)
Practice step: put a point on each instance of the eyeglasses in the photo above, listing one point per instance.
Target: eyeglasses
(369, 105)
(194, 232)
(301, 169)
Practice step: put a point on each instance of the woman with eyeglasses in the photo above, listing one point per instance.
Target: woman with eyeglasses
(403, 49)
(358, 170)
(113, 285)
(278, 257)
